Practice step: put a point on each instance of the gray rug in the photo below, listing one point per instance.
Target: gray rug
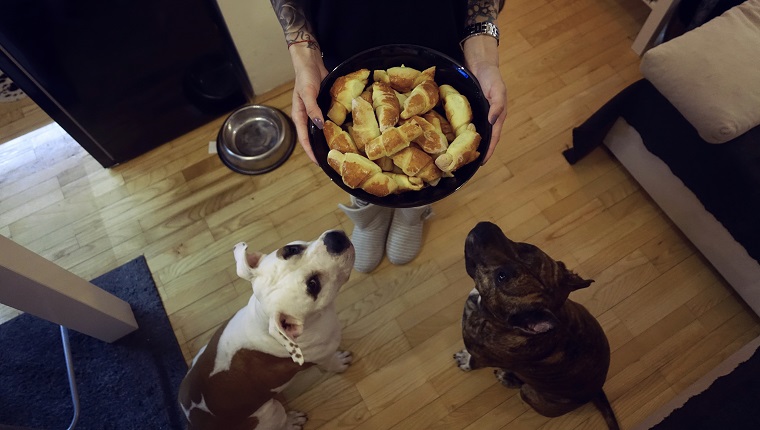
(129, 384)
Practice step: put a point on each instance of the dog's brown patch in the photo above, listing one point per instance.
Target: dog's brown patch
(233, 395)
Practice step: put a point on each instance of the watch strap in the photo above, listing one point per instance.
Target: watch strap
(480, 28)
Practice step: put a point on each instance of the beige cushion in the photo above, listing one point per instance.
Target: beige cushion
(712, 73)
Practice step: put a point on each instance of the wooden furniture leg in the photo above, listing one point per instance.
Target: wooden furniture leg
(35, 285)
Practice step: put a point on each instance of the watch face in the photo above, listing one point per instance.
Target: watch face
(448, 71)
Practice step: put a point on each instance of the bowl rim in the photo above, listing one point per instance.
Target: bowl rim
(288, 139)
(411, 198)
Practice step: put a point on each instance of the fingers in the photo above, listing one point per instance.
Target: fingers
(313, 111)
(496, 115)
(310, 80)
(305, 106)
(495, 134)
(301, 121)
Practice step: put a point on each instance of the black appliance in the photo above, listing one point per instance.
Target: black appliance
(123, 76)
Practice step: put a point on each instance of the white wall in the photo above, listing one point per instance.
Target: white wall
(260, 43)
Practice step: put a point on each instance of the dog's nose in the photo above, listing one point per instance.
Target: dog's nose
(336, 242)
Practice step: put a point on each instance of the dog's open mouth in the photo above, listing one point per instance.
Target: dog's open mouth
(534, 321)
(289, 325)
(284, 323)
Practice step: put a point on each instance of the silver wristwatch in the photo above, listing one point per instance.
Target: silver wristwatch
(487, 28)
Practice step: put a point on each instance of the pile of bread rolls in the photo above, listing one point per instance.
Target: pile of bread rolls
(386, 136)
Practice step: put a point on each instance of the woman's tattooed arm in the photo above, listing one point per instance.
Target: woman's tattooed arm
(482, 11)
(294, 24)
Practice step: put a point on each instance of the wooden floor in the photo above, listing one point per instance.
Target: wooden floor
(19, 117)
(669, 316)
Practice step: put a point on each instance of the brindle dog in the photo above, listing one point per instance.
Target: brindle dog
(519, 320)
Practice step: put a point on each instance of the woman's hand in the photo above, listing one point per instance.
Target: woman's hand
(310, 71)
(482, 59)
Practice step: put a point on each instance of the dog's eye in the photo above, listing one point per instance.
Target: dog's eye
(504, 274)
(313, 286)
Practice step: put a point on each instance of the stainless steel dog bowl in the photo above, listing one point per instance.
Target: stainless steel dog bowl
(255, 139)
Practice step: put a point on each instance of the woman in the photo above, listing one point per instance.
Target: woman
(323, 33)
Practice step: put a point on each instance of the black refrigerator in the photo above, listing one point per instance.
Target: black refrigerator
(123, 76)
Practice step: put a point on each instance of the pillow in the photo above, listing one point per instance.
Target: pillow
(711, 74)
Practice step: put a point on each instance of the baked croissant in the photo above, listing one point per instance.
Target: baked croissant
(457, 108)
(392, 140)
(337, 138)
(425, 75)
(422, 99)
(411, 160)
(462, 150)
(432, 140)
(406, 183)
(365, 127)
(400, 78)
(386, 105)
(401, 99)
(359, 172)
(367, 95)
(385, 163)
(343, 91)
(441, 123)
(430, 174)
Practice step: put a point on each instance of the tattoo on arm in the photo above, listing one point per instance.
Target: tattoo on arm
(295, 26)
(482, 11)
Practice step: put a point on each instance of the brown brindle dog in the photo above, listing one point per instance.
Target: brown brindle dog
(519, 320)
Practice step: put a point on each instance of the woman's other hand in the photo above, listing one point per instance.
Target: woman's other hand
(310, 71)
(482, 59)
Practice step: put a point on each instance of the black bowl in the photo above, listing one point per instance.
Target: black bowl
(447, 71)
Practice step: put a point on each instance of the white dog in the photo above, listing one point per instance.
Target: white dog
(289, 324)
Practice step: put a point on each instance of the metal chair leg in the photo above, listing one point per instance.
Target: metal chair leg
(70, 371)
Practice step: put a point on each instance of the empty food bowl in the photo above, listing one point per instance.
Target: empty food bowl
(255, 139)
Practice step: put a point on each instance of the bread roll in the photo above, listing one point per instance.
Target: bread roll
(381, 76)
(432, 140)
(365, 127)
(385, 163)
(337, 138)
(367, 95)
(380, 185)
(457, 108)
(359, 172)
(401, 99)
(440, 122)
(425, 75)
(422, 99)
(392, 140)
(406, 183)
(400, 78)
(462, 150)
(386, 105)
(411, 160)
(343, 91)
(430, 174)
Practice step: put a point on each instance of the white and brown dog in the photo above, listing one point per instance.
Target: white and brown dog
(289, 324)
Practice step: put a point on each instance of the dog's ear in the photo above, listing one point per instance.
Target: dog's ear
(534, 321)
(286, 329)
(572, 281)
(246, 263)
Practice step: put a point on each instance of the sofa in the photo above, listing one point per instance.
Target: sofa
(689, 133)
